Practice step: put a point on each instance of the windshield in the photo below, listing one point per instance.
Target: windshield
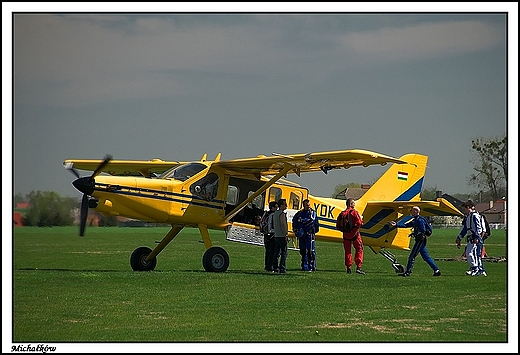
(183, 172)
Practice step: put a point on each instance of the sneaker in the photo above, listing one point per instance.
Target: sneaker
(283, 271)
(476, 273)
(469, 272)
(360, 271)
(437, 273)
(484, 273)
(349, 270)
(405, 274)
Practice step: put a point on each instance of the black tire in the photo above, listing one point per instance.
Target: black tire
(215, 259)
(138, 262)
(399, 269)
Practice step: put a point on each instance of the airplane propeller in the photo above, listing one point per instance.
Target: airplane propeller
(86, 185)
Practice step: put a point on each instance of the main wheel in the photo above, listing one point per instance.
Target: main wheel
(138, 260)
(215, 259)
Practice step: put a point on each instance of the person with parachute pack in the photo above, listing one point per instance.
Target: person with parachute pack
(422, 229)
(474, 229)
(349, 221)
(305, 225)
(268, 233)
(486, 232)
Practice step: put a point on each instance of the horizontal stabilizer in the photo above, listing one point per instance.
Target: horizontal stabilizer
(441, 207)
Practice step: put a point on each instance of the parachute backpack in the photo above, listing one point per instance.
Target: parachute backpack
(344, 221)
(429, 229)
(485, 223)
(266, 223)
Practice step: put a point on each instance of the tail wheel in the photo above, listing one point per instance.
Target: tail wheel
(215, 259)
(398, 268)
(138, 260)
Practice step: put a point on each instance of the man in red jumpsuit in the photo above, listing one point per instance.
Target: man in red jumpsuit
(352, 237)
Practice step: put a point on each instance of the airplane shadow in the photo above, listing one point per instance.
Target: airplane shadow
(66, 270)
(290, 273)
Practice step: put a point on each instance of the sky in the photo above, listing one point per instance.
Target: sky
(175, 86)
(287, 78)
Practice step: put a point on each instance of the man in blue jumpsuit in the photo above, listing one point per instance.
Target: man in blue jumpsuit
(420, 225)
(305, 225)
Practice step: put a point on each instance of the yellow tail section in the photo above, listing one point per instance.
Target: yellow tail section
(388, 199)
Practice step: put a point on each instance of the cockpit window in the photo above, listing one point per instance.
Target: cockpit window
(183, 172)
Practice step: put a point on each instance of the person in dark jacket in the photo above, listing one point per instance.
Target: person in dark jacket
(305, 225)
(268, 236)
(420, 226)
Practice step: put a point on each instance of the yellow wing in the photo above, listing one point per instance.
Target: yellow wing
(123, 167)
(261, 165)
(309, 162)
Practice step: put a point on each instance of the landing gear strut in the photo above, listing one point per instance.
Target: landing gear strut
(389, 256)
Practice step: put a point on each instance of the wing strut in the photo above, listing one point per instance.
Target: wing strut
(283, 172)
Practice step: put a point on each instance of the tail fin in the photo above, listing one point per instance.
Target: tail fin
(391, 198)
(388, 199)
(401, 182)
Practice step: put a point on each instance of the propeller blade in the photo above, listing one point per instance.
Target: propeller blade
(70, 168)
(86, 185)
(83, 215)
(96, 172)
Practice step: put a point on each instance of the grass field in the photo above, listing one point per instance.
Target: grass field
(72, 289)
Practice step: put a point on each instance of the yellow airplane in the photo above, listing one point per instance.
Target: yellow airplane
(227, 194)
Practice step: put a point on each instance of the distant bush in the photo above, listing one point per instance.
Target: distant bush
(48, 208)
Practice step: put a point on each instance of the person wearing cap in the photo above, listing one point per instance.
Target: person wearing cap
(472, 230)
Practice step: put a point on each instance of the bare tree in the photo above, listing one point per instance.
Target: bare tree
(490, 165)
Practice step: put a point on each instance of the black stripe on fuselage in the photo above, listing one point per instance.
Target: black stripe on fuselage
(159, 195)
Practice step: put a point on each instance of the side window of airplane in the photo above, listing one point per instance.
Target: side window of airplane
(207, 187)
(258, 201)
(275, 193)
(294, 201)
(232, 195)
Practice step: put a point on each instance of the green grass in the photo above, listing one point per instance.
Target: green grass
(72, 289)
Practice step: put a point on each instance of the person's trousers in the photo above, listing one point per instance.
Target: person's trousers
(419, 247)
(358, 246)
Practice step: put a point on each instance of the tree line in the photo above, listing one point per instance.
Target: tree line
(48, 208)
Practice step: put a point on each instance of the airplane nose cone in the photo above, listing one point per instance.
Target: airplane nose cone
(85, 185)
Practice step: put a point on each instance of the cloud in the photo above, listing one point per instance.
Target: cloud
(425, 40)
(78, 60)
